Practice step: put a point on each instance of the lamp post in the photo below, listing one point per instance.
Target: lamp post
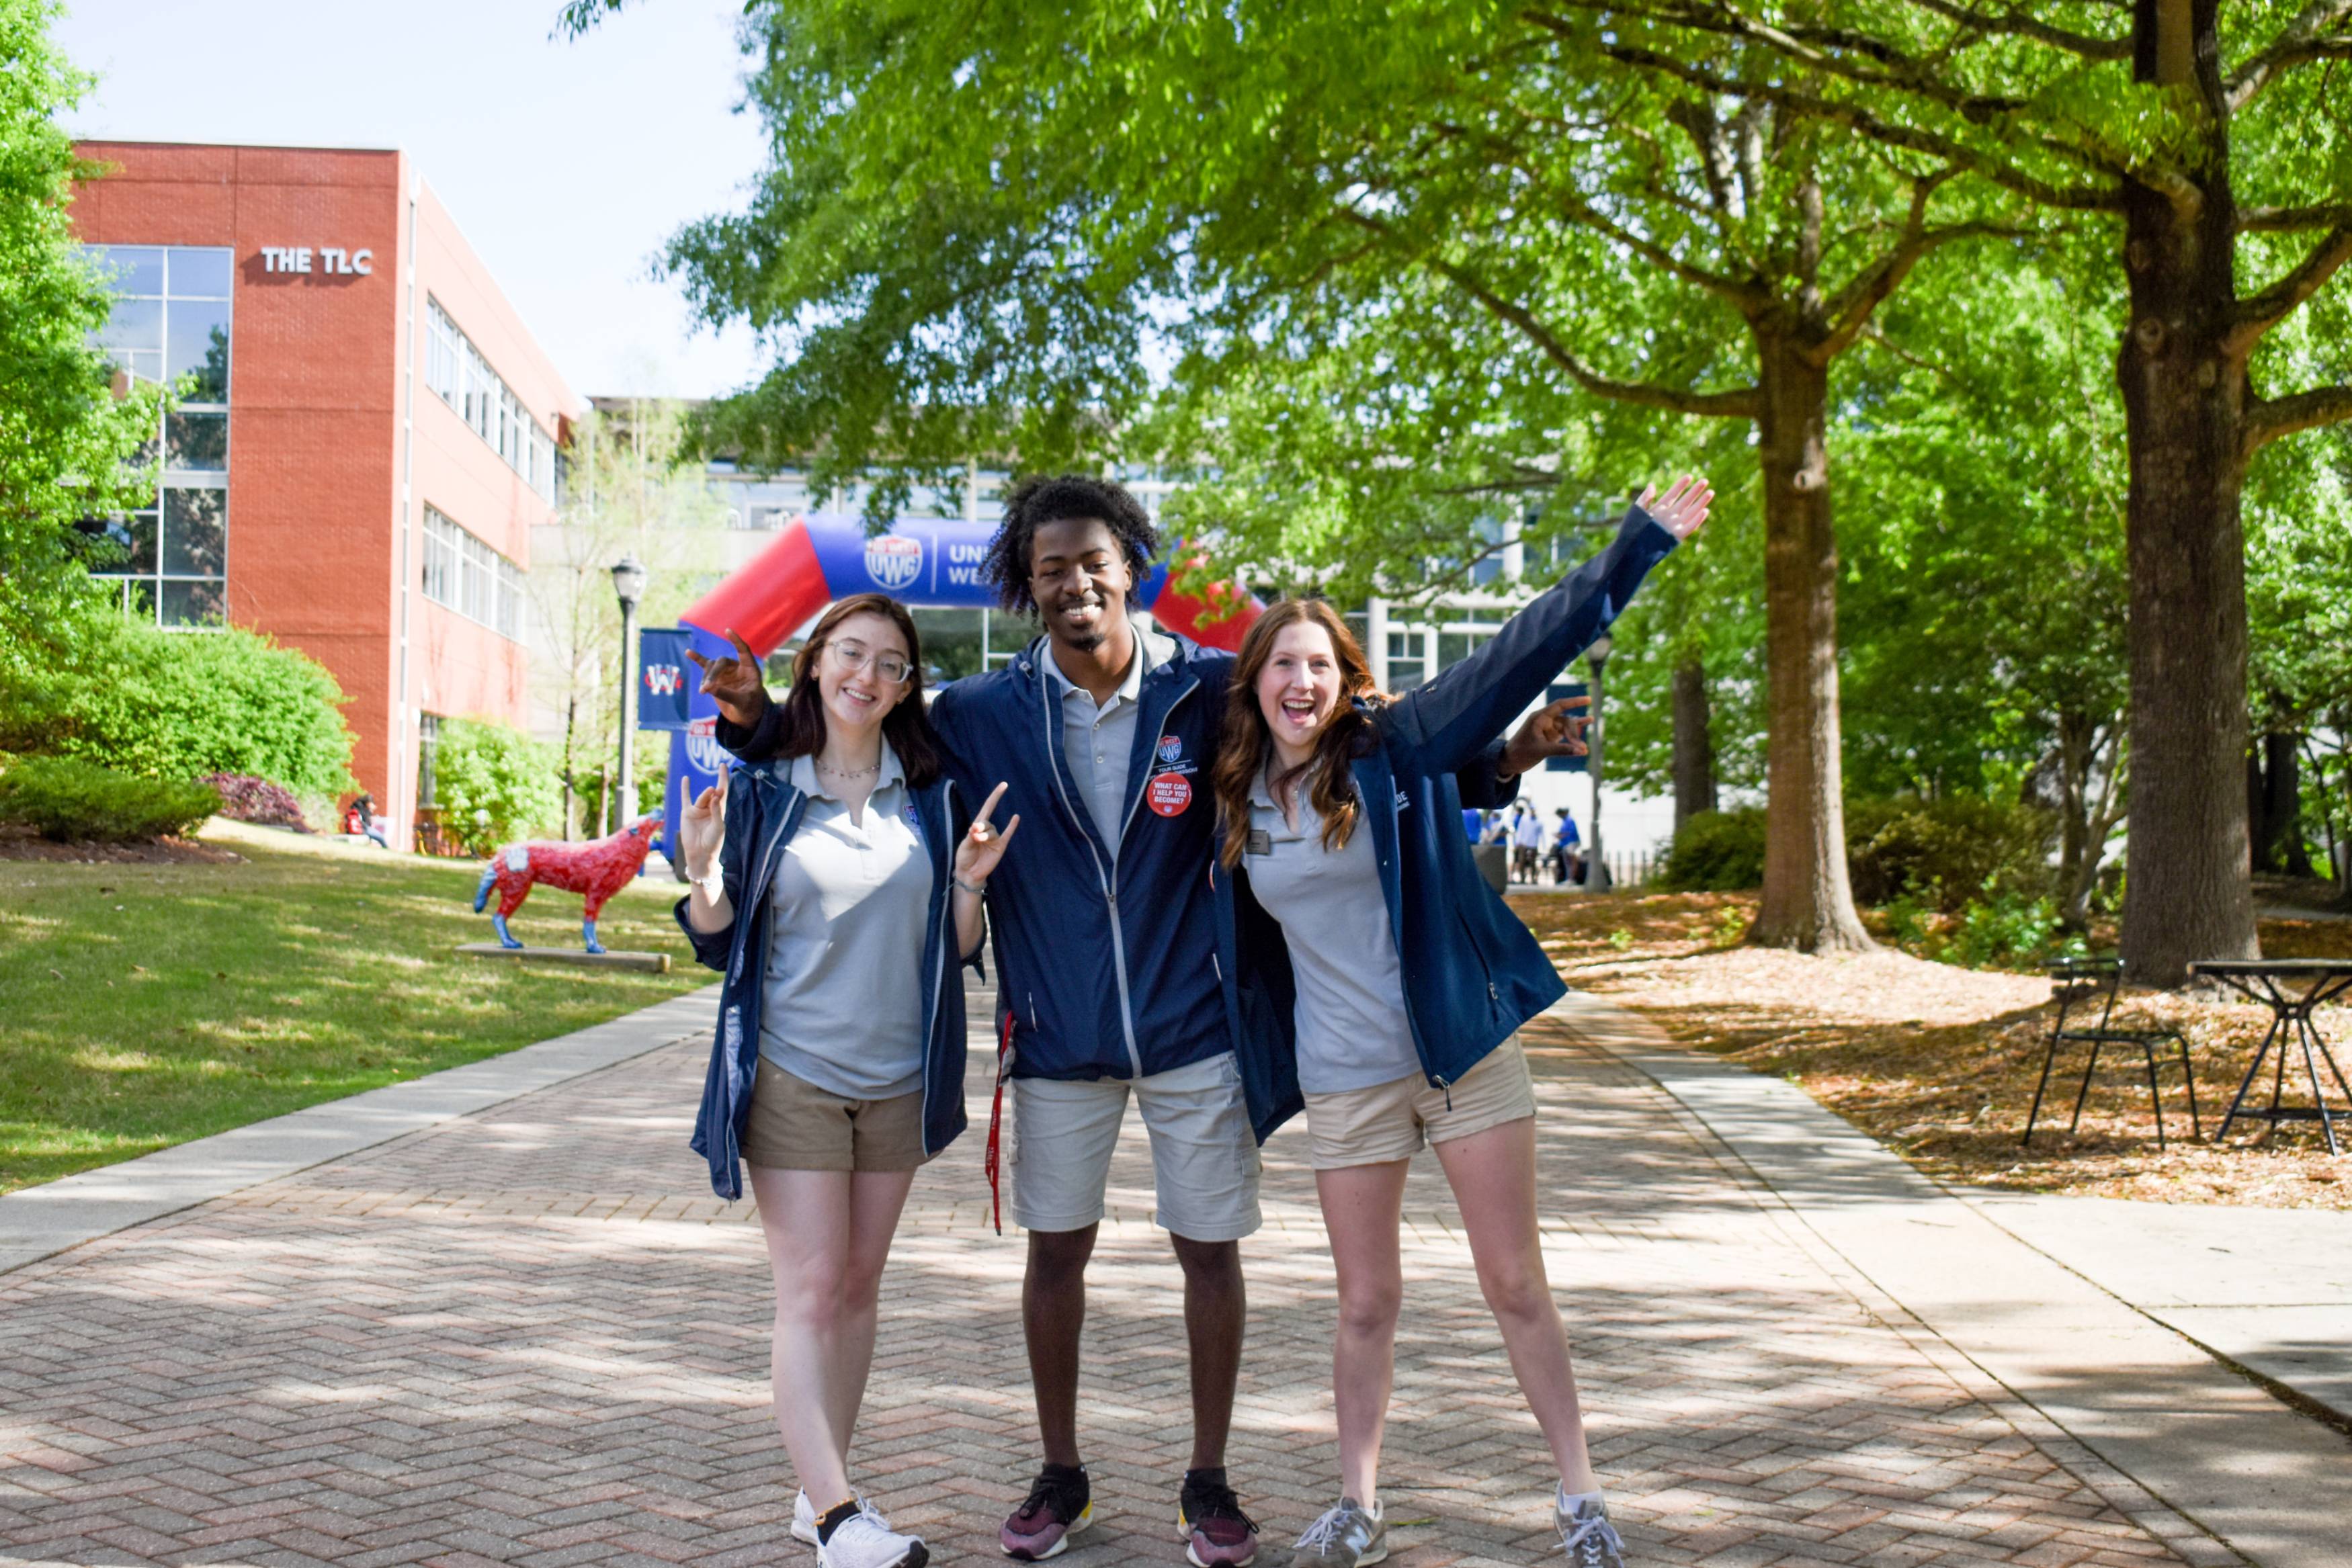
(628, 587)
(1596, 871)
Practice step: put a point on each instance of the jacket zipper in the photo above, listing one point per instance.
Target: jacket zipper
(1106, 882)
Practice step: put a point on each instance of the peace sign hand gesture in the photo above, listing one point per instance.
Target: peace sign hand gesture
(1550, 732)
(983, 845)
(735, 681)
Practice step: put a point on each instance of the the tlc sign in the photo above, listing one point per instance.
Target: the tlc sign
(330, 258)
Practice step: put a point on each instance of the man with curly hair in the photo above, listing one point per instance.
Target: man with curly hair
(1114, 981)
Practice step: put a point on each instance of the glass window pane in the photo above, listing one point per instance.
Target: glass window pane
(196, 441)
(195, 531)
(199, 347)
(193, 603)
(121, 544)
(133, 324)
(199, 274)
(137, 268)
(138, 598)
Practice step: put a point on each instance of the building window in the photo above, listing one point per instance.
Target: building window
(170, 326)
(461, 378)
(467, 576)
(429, 745)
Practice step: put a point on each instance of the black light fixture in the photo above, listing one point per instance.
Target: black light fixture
(629, 577)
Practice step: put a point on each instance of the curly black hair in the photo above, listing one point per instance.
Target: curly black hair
(1065, 498)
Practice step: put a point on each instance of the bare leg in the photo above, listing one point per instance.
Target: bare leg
(875, 1200)
(1361, 1204)
(1053, 1318)
(1216, 1307)
(1493, 1174)
(805, 1217)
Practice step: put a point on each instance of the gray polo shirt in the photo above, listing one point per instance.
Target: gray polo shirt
(1349, 1016)
(842, 1004)
(1099, 739)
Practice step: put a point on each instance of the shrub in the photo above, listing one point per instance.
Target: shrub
(1718, 852)
(481, 766)
(1950, 851)
(66, 800)
(177, 705)
(249, 799)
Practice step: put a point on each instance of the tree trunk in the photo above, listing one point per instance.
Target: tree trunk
(2282, 842)
(1808, 901)
(1693, 759)
(2188, 894)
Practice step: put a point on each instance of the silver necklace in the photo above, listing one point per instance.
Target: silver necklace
(849, 773)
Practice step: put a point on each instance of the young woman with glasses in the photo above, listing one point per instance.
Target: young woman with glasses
(837, 888)
(1379, 966)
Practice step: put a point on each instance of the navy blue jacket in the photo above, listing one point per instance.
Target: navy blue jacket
(1110, 957)
(763, 811)
(1473, 973)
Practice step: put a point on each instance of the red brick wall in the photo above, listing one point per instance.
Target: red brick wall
(319, 534)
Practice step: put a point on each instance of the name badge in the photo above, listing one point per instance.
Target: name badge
(1258, 843)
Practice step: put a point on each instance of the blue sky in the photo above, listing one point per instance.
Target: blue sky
(566, 165)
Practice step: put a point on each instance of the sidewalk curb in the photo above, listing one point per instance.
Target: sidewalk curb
(42, 1221)
(2234, 1475)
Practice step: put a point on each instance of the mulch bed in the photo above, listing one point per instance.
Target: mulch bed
(1938, 1062)
(22, 843)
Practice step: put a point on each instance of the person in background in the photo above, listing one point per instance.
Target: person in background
(830, 883)
(1527, 841)
(1405, 979)
(1566, 863)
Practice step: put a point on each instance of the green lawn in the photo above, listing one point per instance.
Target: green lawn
(141, 1005)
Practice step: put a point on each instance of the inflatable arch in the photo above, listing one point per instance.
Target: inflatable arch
(820, 558)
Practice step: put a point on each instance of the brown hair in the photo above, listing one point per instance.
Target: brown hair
(906, 726)
(1243, 748)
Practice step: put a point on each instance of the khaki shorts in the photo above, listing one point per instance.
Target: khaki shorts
(796, 1126)
(1391, 1120)
(1204, 1156)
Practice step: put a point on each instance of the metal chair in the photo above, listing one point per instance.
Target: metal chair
(2074, 982)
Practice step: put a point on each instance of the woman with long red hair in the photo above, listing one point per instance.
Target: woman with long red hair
(1381, 968)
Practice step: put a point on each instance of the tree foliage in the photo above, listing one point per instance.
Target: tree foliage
(177, 705)
(66, 438)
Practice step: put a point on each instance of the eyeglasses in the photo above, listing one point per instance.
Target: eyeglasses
(855, 656)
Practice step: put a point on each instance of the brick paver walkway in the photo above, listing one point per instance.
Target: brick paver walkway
(532, 1337)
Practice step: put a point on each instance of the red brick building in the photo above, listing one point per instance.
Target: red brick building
(369, 437)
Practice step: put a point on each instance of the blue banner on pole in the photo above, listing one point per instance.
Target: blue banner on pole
(1552, 693)
(666, 679)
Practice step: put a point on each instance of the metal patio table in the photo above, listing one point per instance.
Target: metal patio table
(2272, 982)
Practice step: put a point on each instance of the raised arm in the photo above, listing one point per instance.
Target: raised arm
(1443, 725)
(749, 720)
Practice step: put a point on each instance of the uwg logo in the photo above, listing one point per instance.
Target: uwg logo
(662, 679)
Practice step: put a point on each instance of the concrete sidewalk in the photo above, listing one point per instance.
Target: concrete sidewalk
(2060, 1323)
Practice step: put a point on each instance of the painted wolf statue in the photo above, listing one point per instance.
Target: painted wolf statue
(596, 870)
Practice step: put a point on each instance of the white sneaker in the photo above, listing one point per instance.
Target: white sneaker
(804, 1517)
(860, 1542)
(1585, 1532)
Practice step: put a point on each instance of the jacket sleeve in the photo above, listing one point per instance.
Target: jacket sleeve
(1442, 725)
(758, 743)
(1481, 780)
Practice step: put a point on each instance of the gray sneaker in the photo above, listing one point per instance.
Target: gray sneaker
(1585, 1534)
(1345, 1537)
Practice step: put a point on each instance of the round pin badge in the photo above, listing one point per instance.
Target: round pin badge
(1169, 794)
